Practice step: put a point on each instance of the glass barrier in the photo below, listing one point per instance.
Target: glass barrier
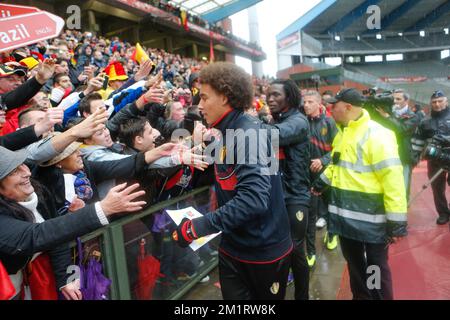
(93, 264)
(140, 258)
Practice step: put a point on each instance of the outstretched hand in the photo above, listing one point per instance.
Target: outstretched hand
(72, 291)
(121, 199)
(52, 117)
(155, 80)
(45, 71)
(91, 124)
(144, 70)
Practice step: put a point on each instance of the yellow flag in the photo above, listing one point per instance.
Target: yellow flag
(140, 56)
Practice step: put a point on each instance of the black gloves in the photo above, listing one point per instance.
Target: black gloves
(319, 185)
(184, 233)
(394, 229)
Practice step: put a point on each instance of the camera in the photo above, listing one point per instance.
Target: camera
(105, 82)
(374, 100)
(159, 141)
(439, 150)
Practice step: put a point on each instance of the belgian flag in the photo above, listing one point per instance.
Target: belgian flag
(139, 54)
(184, 20)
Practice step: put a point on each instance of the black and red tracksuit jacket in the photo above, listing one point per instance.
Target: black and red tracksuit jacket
(252, 213)
(323, 130)
(294, 155)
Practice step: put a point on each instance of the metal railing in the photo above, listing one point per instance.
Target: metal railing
(119, 246)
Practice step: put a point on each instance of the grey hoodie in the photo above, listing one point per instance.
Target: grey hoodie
(101, 153)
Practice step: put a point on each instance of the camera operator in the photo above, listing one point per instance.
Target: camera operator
(437, 123)
(403, 122)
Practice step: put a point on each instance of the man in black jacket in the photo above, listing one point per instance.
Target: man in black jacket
(437, 123)
(255, 249)
(284, 100)
(403, 121)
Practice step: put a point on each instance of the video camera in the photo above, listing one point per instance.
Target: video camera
(159, 141)
(374, 100)
(439, 150)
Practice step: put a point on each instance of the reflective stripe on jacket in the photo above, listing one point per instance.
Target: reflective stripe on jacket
(367, 195)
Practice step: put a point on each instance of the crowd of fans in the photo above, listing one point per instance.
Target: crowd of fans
(87, 127)
(90, 117)
(176, 10)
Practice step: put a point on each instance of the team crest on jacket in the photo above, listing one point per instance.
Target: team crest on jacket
(275, 287)
(299, 215)
(324, 131)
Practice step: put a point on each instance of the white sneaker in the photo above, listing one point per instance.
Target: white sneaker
(205, 279)
(321, 222)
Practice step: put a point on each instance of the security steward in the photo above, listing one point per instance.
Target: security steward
(367, 199)
(254, 254)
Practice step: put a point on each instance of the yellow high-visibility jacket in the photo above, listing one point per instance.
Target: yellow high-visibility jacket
(367, 200)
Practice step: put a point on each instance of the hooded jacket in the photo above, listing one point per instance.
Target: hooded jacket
(367, 200)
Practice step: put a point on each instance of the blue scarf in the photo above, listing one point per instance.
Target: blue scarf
(83, 187)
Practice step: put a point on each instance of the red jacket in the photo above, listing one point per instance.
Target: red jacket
(12, 120)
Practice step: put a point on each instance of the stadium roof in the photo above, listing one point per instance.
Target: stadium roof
(349, 17)
(214, 10)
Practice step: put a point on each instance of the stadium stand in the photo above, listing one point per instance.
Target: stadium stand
(387, 44)
(430, 69)
(416, 31)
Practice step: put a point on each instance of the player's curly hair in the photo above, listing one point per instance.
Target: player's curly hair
(231, 81)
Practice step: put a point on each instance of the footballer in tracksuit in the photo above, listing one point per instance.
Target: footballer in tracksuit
(254, 254)
(323, 130)
(284, 101)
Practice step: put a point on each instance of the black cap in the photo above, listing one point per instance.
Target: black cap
(349, 95)
(6, 71)
(437, 94)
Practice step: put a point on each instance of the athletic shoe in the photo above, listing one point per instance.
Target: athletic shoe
(331, 242)
(321, 222)
(311, 260)
(442, 220)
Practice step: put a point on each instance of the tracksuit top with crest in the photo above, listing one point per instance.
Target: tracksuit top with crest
(252, 213)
